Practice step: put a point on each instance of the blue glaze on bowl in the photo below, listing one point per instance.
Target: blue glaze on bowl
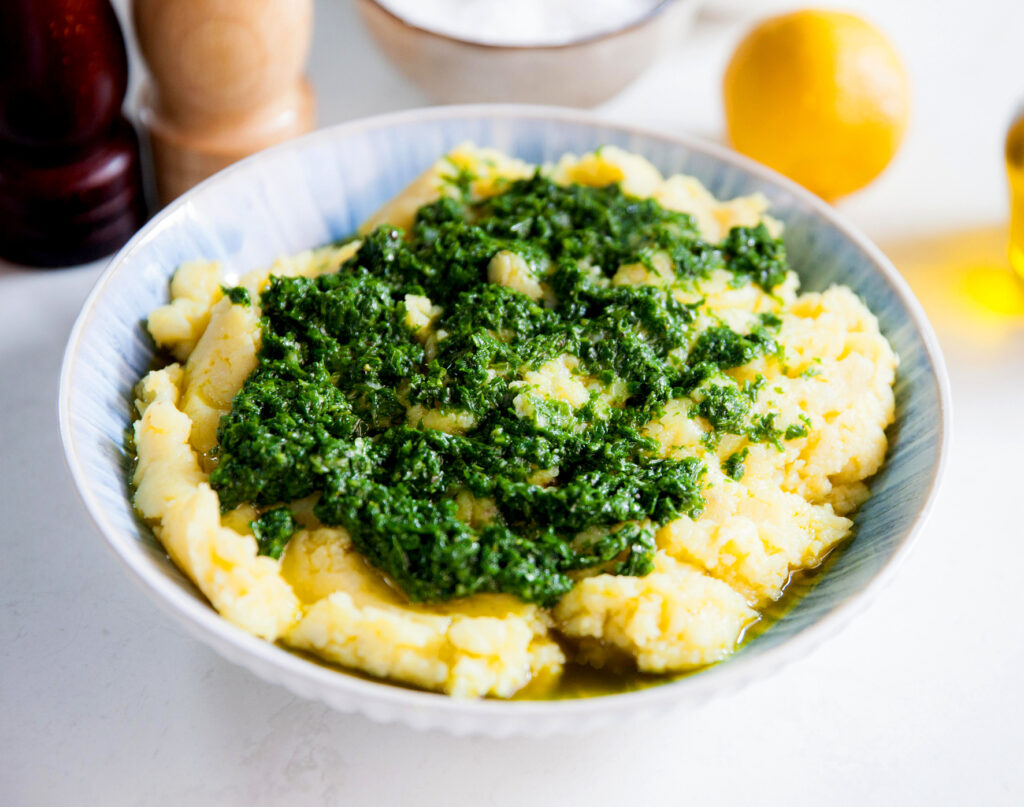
(320, 188)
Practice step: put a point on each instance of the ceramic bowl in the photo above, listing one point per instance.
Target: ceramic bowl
(318, 188)
(582, 73)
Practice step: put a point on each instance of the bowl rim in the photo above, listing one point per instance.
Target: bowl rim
(588, 39)
(387, 702)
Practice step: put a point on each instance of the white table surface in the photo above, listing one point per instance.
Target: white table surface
(103, 701)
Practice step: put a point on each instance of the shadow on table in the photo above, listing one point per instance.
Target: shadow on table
(9, 269)
(16, 270)
(965, 283)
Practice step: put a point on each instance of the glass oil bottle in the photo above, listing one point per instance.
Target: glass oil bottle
(1015, 173)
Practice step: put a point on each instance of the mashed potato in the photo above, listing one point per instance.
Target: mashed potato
(712, 573)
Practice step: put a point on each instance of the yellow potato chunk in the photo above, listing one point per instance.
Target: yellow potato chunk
(489, 171)
(159, 385)
(636, 274)
(217, 368)
(675, 429)
(177, 326)
(687, 195)
(751, 534)
(853, 401)
(171, 492)
(555, 380)
(309, 263)
(483, 645)
(511, 270)
(608, 165)
(452, 422)
(420, 315)
(477, 512)
(839, 374)
(714, 218)
(166, 470)
(244, 587)
(676, 618)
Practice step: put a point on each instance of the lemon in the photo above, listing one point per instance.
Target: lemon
(820, 96)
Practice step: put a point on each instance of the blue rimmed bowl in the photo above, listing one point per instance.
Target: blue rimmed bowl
(319, 188)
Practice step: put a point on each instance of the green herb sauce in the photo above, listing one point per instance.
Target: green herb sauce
(733, 465)
(273, 531)
(238, 295)
(325, 410)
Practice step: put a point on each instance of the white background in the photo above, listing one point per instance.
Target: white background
(103, 701)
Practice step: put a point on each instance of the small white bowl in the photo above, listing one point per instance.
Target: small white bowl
(317, 189)
(581, 73)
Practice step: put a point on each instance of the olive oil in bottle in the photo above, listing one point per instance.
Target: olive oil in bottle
(1015, 171)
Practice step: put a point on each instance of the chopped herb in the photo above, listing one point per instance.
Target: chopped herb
(325, 411)
(733, 465)
(793, 431)
(273, 531)
(752, 251)
(725, 348)
(239, 295)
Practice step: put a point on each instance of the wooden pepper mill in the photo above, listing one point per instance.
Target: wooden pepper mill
(227, 81)
(70, 179)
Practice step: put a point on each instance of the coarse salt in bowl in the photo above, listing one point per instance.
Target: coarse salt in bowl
(533, 52)
(524, 23)
(317, 189)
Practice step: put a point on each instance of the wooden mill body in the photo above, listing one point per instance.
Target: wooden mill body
(227, 80)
